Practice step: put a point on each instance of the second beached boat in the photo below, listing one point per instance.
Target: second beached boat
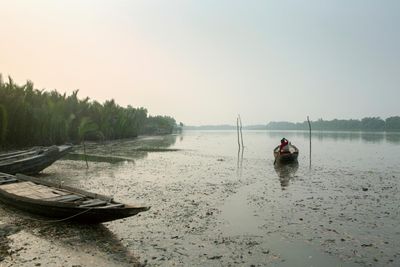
(31, 161)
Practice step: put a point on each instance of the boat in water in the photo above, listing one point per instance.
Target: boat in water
(60, 202)
(31, 161)
(288, 156)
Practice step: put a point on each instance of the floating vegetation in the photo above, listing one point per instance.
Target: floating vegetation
(129, 149)
(97, 158)
(156, 149)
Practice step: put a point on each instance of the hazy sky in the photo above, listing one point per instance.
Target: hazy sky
(203, 62)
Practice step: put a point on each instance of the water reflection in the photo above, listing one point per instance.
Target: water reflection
(239, 165)
(124, 150)
(393, 138)
(368, 137)
(373, 138)
(286, 172)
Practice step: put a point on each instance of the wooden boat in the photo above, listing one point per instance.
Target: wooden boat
(288, 156)
(61, 202)
(31, 161)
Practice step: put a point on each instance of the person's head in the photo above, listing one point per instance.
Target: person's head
(283, 140)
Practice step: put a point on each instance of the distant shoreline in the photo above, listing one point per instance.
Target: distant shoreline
(367, 124)
(198, 128)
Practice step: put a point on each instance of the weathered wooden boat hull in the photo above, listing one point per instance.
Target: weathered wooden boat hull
(89, 216)
(68, 211)
(31, 162)
(287, 157)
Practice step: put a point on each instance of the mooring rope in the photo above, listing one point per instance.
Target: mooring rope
(55, 221)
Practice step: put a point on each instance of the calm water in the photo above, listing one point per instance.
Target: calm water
(215, 206)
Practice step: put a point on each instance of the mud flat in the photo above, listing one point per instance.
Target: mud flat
(214, 207)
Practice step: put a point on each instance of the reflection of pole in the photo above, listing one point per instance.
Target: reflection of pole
(309, 127)
(237, 129)
(239, 165)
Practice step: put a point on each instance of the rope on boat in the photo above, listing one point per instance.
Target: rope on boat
(56, 221)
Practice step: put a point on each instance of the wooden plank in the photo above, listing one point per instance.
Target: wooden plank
(116, 205)
(91, 200)
(93, 203)
(62, 192)
(7, 187)
(65, 188)
(35, 194)
(29, 189)
(5, 175)
(7, 180)
(65, 198)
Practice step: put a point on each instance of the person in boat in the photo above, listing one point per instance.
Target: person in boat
(284, 146)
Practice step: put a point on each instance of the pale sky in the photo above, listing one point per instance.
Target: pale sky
(203, 62)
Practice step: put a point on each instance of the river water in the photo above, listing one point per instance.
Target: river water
(212, 205)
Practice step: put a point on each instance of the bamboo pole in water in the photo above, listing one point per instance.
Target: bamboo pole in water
(241, 133)
(309, 127)
(84, 152)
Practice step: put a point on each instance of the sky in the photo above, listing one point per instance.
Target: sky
(205, 62)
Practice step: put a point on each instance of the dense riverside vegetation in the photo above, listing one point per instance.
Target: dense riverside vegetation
(365, 124)
(29, 116)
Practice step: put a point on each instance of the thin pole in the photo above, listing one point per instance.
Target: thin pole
(84, 152)
(309, 127)
(241, 133)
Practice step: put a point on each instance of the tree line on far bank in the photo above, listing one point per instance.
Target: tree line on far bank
(365, 124)
(29, 116)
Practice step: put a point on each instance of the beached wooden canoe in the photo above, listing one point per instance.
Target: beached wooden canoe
(286, 157)
(62, 203)
(33, 160)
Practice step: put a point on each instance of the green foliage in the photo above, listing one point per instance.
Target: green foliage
(3, 124)
(42, 118)
(87, 126)
(373, 124)
(159, 125)
(393, 123)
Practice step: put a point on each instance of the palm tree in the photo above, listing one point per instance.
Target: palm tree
(3, 124)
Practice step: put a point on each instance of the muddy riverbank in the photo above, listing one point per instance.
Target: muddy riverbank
(212, 206)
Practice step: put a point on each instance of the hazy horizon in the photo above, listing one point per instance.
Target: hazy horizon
(203, 62)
